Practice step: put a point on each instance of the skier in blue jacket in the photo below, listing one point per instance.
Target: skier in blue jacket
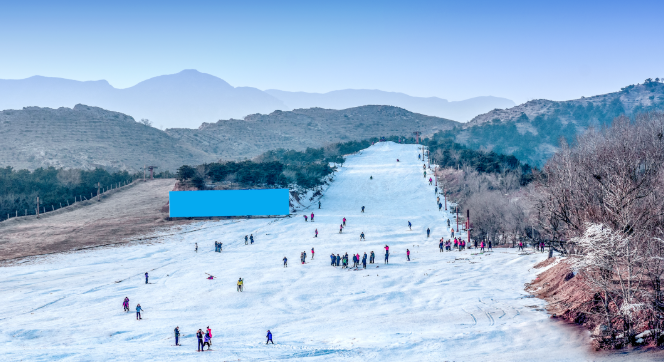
(269, 337)
(138, 311)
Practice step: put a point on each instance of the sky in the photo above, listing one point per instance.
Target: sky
(455, 50)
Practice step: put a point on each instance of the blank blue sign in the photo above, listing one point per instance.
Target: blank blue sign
(270, 202)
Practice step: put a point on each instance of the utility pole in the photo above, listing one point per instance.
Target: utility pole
(457, 212)
(37, 207)
(417, 136)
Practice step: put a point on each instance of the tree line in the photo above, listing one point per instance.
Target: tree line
(56, 188)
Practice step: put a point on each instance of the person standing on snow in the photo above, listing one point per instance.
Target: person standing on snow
(440, 206)
(196, 250)
(452, 232)
(305, 218)
(372, 257)
(316, 233)
(521, 245)
(333, 259)
(251, 239)
(387, 254)
(304, 255)
(344, 223)
(364, 261)
(408, 254)
(362, 208)
(246, 240)
(269, 337)
(146, 277)
(177, 336)
(125, 304)
(341, 227)
(338, 259)
(319, 204)
(285, 262)
(312, 217)
(448, 222)
(428, 232)
(482, 246)
(490, 245)
(312, 253)
(410, 226)
(199, 336)
(240, 284)
(138, 311)
(440, 245)
(362, 236)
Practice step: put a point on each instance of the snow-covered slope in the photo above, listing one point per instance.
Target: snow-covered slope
(439, 306)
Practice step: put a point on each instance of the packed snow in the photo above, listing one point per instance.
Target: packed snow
(461, 306)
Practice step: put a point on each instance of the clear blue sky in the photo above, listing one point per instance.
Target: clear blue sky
(451, 49)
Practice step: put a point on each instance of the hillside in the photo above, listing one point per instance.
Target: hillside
(461, 111)
(302, 128)
(532, 131)
(87, 137)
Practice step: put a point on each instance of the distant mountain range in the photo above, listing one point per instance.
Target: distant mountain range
(88, 137)
(190, 98)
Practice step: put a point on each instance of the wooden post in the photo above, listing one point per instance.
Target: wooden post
(98, 186)
(37, 206)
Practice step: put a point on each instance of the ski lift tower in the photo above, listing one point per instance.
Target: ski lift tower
(417, 135)
(151, 169)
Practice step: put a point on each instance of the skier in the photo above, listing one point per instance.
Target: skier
(425, 174)
(221, 246)
(482, 246)
(448, 222)
(430, 181)
(146, 277)
(312, 253)
(312, 217)
(440, 245)
(362, 236)
(475, 243)
(521, 245)
(240, 283)
(138, 311)
(452, 232)
(199, 336)
(269, 337)
(372, 257)
(177, 336)
(408, 254)
(196, 250)
(438, 200)
(362, 208)
(344, 222)
(285, 262)
(387, 254)
(333, 259)
(542, 246)
(397, 158)
(316, 233)
(354, 261)
(341, 227)
(246, 240)
(410, 226)
(419, 156)
(490, 245)
(364, 261)
(428, 232)
(304, 257)
(319, 204)
(370, 177)
(305, 218)
(440, 206)
(338, 259)
(251, 239)
(125, 304)
(207, 340)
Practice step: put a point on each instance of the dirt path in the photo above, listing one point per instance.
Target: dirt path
(121, 214)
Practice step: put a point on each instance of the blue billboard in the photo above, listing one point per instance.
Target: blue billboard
(271, 202)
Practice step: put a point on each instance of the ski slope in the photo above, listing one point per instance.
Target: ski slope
(439, 306)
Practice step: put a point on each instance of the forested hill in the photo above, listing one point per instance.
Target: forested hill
(532, 131)
(313, 127)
